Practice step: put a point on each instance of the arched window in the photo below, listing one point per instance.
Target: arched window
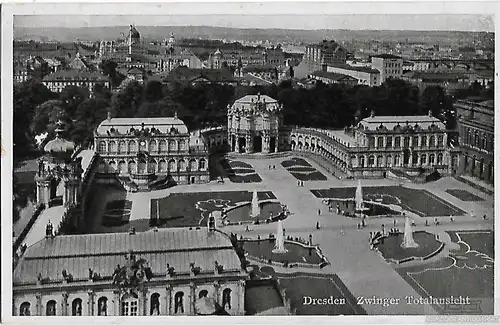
(202, 164)
(102, 147)
(179, 302)
(76, 307)
(129, 305)
(153, 146)
(182, 144)
(476, 139)
(112, 147)
(132, 146)
(111, 167)
(424, 141)
(469, 137)
(163, 146)
(132, 167)
(415, 141)
(362, 161)
(371, 142)
(51, 308)
(152, 166)
(122, 167)
(162, 166)
(171, 145)
(396, 160)
(371, 160)
(155, 304)
(226, 298)
(432, 141)
(192, 165)
(171, 165)
(25, 309)
(440, 140)
(485, 143)
(380, 159)
(388, 142)
(431, 159)
(388, 161)
(440, 159)
(380, 142)
(122, 147)
(102, 306)
(142, 146)
(202, 294)
(141, 167)
(181, 164)
(406, 142)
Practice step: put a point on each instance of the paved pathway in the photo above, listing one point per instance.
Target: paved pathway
(362, 270)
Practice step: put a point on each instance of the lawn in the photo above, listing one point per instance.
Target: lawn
(192, 209)
(467, 273)
(420, 202)
(301, 169)
(116, 213)
(240, 172)
(293, 162)
(253, 297)
(296, 252)
(314, 176)
(242, 213)
(391, 246)
(464, 195)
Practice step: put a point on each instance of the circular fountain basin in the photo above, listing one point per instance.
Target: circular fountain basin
(392, 250)
(242, 213)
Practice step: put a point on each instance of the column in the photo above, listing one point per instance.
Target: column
(410, 159)
(144, 303)
(91, 303)
(39, 306)
(384, 141)
(237, 143)
(116, 301)
(411, 141)
(216, 291)
(241, 297)
(64, 305)
(168, 300)
(192, 298)
(276, 143)
(248, 141)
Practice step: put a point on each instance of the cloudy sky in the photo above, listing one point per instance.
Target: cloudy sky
(475, 16)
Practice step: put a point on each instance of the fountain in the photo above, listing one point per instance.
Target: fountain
(408, 241)
(279, 246)
(359, 199)
(255, 205)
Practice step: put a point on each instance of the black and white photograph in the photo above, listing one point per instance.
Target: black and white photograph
(248, 159)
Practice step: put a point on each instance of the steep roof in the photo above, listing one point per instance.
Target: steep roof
(69, 75)
(123, 125)
(333, 76)
(350, 67)
(103, 252)
(390, 122)
(188, 74)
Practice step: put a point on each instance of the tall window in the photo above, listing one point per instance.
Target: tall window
(179, 302)
(122, 147)
(371, 161)
(388, 161)
(379, 160)
(24, 309)
(162, 166)
(476, 139)
(102, 306)
(440, 140)
(371, 142)
(171, 165)
(440, 159)
(389, 142)
(155, 304)
(362, 161)
(132, 146)
(431, 159)
(396, 160)
(469, 137)
(51, 308)
(485, 143)
(182, 144)
(171, 145)
(226, 298)
(406, 142)
(152, 146)
(415, 141)
(76, 307)
(397, 142)
(432, 142)
(192, 165)
(163, 146)
(112, 147)
(129, 306)
(424, 141)
(380, 142)
(102, 147)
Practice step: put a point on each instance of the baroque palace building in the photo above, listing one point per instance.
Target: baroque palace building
(476, 127)
(253, 124)
(143, 149)
(160, 272)
(379, 144)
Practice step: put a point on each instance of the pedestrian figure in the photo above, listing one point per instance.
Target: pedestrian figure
(363, 224)
(317, 225)
(246, 229)
(258, 237)
(426, 222)
(342, 231)
(274, 166)
(436, 221)
(394, 222)
(319, 212)
(358, 226)
(451, 218)
(484, 217)
(473, 215)
(298, 183)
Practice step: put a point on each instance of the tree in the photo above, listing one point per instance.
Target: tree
(108, 68)
(153, 91)
(71, 97)
(90, 113)
(46, 116)
(126, 102)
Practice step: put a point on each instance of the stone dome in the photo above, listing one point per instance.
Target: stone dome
(59, 147)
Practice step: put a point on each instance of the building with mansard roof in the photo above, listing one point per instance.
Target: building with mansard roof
(144, 151)
(158, 272)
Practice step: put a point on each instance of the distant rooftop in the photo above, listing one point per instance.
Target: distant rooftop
(79, 75)
(423, 121)
(351, 68)
(386, 56)
(333, 76)
(124, 124)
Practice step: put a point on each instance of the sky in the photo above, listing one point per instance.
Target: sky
(472, 17)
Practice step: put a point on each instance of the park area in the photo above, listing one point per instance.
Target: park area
(391, 249)
(420, 202)
(464, 195)
(467, 271)
(193, 209)
(296, 253)
(302, 170)
(240, 172)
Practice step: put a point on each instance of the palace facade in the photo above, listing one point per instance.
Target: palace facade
(476, 125)
(253, 124)
(143, 149)
(379, 144)
(160, 272)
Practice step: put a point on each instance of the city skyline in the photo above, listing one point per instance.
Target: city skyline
(473, 23)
